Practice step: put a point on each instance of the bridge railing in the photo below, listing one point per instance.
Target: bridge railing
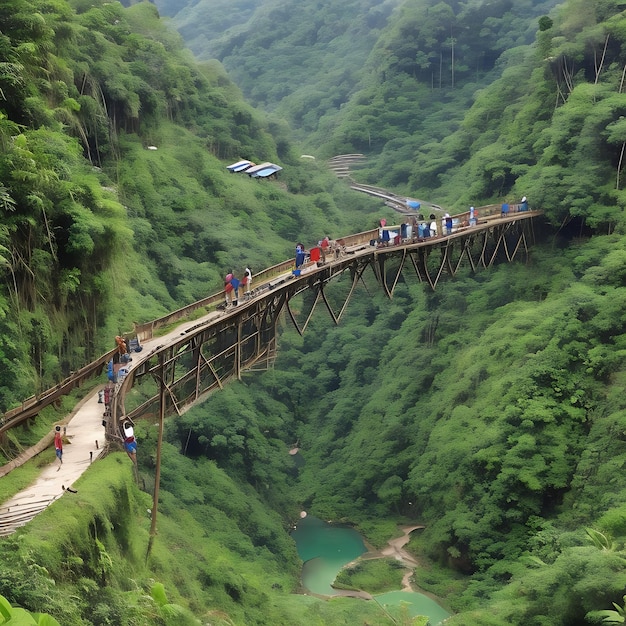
(31, 406)
(491, 211)
(147, 330)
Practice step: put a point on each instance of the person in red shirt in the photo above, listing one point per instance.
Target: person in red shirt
(58, 445)
(231, 289)
(324, 247)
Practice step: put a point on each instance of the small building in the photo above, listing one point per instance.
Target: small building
(265, 170)
(240, 166)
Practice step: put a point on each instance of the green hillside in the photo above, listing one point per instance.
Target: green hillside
(491, 410)
(99, 231)
(301, 60)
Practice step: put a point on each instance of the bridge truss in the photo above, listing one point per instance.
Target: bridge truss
(209, 355)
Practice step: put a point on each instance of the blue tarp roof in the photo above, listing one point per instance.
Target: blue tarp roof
(263, 170)
(268, 171)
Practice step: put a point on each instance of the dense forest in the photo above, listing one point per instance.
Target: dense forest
(490, 410)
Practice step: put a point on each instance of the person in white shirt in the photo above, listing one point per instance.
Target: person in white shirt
(433, 226)
(247, 281)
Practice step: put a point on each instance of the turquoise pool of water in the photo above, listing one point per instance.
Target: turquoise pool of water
(325, 549)
(416, 604)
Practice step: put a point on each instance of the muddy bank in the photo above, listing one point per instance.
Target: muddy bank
(395, 549)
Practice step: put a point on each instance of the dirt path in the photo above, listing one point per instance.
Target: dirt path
(395, 549)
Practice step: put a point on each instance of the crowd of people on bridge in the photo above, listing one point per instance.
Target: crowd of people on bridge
(507, 208)
(118, 368)
(232, 285)
(326, 248)
(413, 228)
(420, 228)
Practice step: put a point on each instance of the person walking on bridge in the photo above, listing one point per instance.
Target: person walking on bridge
(324, 247)
(524, 205)
(300, 255)
(120, 356)
(433, 225)
(246, 281)
(231, 288)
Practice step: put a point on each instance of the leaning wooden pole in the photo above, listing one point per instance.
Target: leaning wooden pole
(157, 473)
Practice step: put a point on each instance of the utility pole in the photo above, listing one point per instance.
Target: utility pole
(157, 473)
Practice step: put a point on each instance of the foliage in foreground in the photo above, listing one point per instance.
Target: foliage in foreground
(16, 616)
(220, 554)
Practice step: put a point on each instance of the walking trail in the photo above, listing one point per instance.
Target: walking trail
(395, 548)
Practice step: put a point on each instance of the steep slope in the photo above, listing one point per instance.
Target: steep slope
(300, 60)
(550, 110)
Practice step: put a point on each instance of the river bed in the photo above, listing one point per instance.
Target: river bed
(326, 548)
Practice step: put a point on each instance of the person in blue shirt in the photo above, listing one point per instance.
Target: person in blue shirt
(300, 255)
(235, 285)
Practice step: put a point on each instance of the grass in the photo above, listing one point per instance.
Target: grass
(374, 576)
(378, 531)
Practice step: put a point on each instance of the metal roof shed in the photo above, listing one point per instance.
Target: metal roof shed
(240, 166)
(264, 170)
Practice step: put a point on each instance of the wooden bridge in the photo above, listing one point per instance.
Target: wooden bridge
(216, 351)
(224, 343)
